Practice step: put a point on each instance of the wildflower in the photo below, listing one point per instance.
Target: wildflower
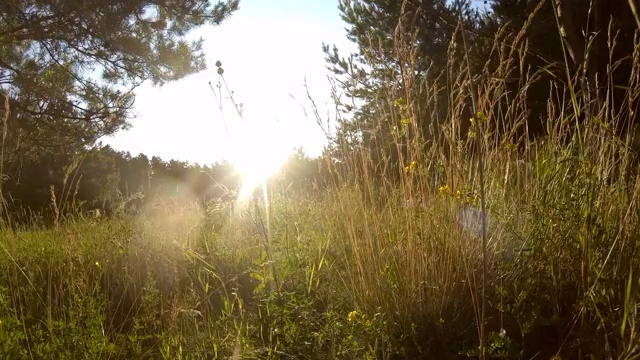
(480, 116)
(399, 102)
(445, 190)
(411, 167)
(353, 316)
(405, 121)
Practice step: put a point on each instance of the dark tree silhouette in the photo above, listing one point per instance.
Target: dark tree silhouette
(405, 45)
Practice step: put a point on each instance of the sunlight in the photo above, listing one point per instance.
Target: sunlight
(259, 150)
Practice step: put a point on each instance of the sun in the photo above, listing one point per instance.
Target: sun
(259, 150)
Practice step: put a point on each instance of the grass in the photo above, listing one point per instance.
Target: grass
(356, 280)
(172, 287)
(372, 265)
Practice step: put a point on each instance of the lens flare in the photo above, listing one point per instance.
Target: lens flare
(259, 152)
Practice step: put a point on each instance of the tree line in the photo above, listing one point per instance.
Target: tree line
(107, 180)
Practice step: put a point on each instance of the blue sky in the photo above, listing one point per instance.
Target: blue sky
(267, 48)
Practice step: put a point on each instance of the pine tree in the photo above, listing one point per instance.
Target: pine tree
(71, 65)
(403, 51)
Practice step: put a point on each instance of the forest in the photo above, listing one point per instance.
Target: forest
(477, 198)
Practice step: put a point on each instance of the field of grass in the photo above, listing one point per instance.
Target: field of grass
(335, 275)
(367, 267)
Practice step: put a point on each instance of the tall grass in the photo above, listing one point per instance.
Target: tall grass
(570, 196)
(387, 260)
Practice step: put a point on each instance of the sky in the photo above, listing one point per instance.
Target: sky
(267, 49)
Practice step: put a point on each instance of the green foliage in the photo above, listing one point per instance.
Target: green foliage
(11, 331)
(69, 70)
(113, 182)
(403, 48)
(368, 251)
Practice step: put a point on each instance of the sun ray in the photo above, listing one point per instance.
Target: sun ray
(259, 151)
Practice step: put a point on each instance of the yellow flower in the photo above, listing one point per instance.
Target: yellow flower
(445, 190)
(412, 166)
(481, 116)
(353, 316)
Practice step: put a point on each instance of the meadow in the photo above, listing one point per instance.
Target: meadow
(329, 273)
(383, 260)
